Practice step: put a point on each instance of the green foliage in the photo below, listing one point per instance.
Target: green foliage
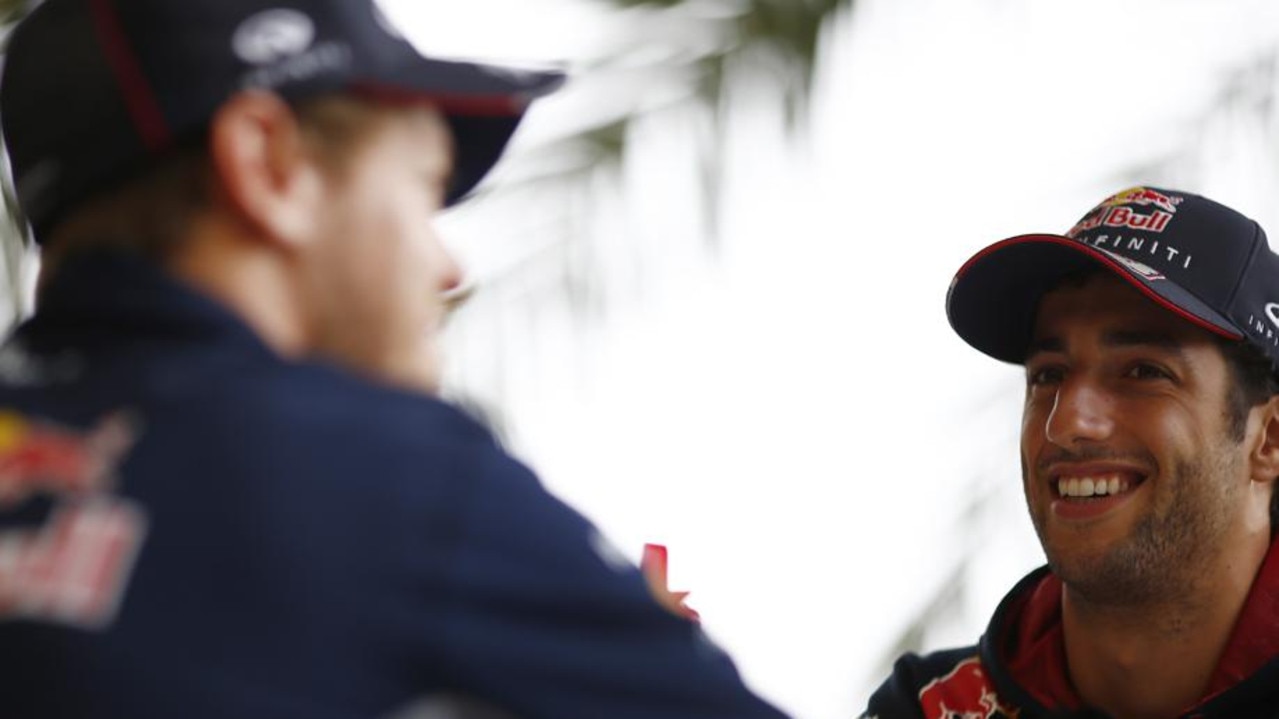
(692, 54)
(726, 43)
(788, 32)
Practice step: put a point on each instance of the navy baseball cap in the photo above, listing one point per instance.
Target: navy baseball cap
(95, 89)
(1196, 258)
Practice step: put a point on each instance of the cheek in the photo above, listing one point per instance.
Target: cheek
(1170, 429)
(361, 259)
(1034, 417)
(383, 229)
(411, 224)
(390, 250)
(407, 236)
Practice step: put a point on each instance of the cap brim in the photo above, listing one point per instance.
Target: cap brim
(994, 297)
(484, 105)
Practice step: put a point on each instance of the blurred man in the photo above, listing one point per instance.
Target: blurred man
(197, 518)
(1149, 450)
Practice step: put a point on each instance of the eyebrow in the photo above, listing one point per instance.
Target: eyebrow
(1115, 339)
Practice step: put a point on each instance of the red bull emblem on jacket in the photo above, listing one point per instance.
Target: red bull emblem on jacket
(71, 568)
(965, 693)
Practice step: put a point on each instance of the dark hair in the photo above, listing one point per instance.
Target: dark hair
(1256, 380)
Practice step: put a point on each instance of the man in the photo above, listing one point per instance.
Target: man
(1149, 450)
(199, 517)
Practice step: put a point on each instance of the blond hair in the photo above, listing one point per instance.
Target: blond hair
(151, 214)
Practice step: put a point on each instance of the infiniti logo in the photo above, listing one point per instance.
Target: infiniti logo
(1272, 312)
(272, 35)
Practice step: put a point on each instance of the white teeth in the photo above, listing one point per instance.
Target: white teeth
(1091, 486)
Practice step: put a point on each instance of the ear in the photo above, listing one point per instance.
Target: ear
(1265, 453)
(265, 174)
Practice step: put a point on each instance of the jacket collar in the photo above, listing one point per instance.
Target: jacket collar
(107, 298)
(1029, 647)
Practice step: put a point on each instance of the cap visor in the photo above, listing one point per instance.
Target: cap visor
(994, 297)
(483, 103)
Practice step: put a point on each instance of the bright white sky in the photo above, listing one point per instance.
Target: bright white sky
(796, 421)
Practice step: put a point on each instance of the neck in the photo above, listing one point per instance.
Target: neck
(252, 279)
(1152, 661)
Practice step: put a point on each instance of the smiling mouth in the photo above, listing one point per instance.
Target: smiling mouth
(1096, 486)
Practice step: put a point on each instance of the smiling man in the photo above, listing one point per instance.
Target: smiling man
(226, 486)
(1149, 453)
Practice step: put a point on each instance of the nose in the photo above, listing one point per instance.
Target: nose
(1081, 413)
(452, 285)
(450, 275)
(440, 263)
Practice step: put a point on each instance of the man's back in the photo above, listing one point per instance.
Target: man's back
(307, 544)
(197, 519)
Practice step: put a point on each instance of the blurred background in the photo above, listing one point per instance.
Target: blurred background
(710, 280)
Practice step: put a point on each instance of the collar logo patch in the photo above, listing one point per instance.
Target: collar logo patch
(965, 693)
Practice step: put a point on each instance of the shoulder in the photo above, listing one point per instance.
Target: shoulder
(308, 429)
(314, 401)
(933, 686)
(943, 685)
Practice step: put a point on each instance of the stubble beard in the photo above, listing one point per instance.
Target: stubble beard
(1165, 553)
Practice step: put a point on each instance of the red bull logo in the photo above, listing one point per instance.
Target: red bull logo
(1144, 196)
(73, 568)
(41, 458)
(1117, 211)
(965, 693)
(1122, 218)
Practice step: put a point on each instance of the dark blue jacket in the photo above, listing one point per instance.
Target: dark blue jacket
(191, 526)
(1018, 670)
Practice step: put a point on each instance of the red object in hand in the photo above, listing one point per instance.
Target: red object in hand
(653, 566)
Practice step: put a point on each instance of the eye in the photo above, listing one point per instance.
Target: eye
(1147, 371)
(1045, 375)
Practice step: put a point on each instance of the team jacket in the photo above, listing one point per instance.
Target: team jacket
(1018, 669)
(192, 527)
